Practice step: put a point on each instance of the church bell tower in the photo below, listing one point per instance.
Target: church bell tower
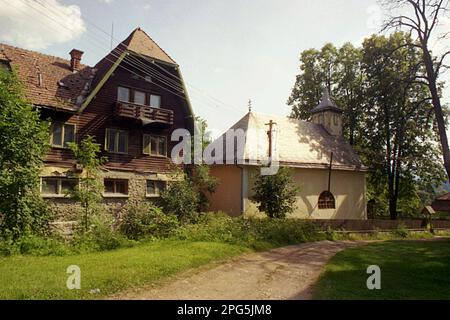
(328, 115)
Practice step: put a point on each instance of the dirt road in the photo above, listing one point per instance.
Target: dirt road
(283, 273)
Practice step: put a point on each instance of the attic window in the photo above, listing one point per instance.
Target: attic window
(327, 201)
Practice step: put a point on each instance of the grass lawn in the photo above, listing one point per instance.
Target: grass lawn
(33, 277)
(409, 270)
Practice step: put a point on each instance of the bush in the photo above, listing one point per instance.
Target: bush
(401, 231)
(143, 220)
(33, 245)
(180, 199)
(100, 237)
(276, 194)
(256, 233)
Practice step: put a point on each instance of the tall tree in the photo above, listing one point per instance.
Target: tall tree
(24, 140)
(422, 18)
(386, 109)
(398, 127)
(340, 71)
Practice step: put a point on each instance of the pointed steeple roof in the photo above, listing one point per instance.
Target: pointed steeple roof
(326, 103)
(140, 42)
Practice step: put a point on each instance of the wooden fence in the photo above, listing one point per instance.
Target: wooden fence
(379, 224)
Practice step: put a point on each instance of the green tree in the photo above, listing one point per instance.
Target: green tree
(276, 194)
(180, 198)
(203, 184)
(400, 142)
(24, 141)
(387, 114)
(422, 19)
(90, 188)
(199, 174)
(340, 71)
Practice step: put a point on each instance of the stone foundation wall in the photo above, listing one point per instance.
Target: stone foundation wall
(66, 209)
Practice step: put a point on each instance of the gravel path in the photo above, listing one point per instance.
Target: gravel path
(283, 273)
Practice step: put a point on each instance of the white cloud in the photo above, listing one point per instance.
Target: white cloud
(37, 25)
(147, 6)
(106, 1)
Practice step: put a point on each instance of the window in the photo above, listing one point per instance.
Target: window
(58, 186)
(326, 200)
(154, 187)
(139, 97)
(116, 186)
(62, 134)
(155, 101)
(123, 94)
(116, 141)
(155, 145)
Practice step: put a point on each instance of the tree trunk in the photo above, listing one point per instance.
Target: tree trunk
(431, 74)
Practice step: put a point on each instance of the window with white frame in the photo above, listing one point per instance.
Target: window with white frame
(155, 187)
(116, 141)
(62, 134)
(55, 186)
(155, 145)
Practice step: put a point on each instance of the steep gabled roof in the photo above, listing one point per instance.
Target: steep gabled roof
(298, 143)
(141, 43)
(47, 80)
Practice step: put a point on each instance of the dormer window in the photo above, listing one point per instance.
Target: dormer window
(62, 134)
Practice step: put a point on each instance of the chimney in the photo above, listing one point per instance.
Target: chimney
(75, 59)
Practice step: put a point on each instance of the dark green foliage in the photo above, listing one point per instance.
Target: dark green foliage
(24, 140)
(100, 236)
(204, 184)
(387, 115)
(143, 220)
(180, 199)
(276, 194)
(90, 188)
(255, 233)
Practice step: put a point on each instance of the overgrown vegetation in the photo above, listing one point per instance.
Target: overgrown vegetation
(276, 194)
(89, 190)
(144, 220)
(24, 140)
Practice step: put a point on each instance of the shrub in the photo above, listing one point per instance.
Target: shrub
(204, 184)
(331, 234)
(143, 220)
(89, 191)
(33, 245)
(256, 233)
(180, 199)
(276, 194)
(100, 236)
(401, 231)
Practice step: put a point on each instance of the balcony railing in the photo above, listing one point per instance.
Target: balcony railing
(145, 113)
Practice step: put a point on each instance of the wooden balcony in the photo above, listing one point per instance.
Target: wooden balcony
(146, 114)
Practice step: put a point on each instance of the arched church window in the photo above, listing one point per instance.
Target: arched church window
(327, 201)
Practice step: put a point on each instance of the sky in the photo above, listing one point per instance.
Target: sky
(229, 51)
